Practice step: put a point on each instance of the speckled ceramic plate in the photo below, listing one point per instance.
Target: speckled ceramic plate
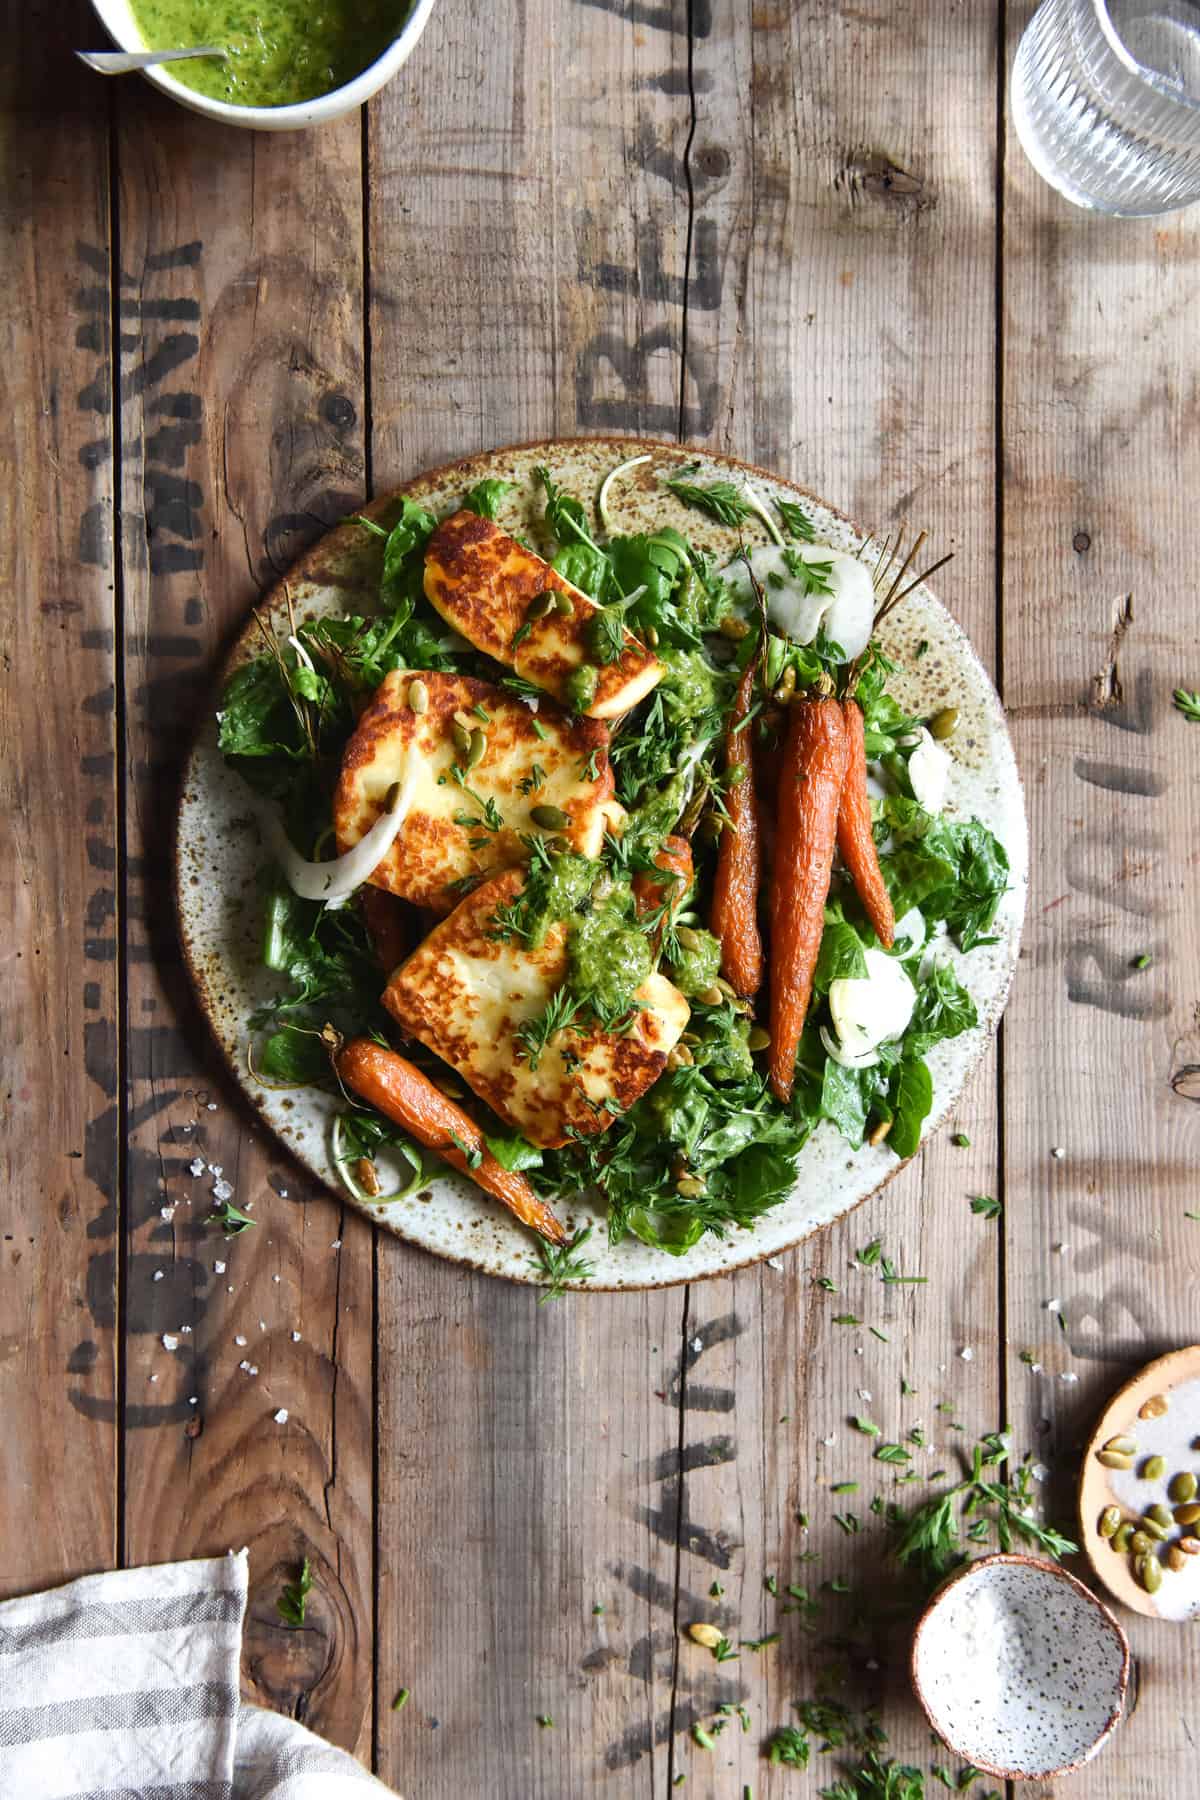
(219, 854)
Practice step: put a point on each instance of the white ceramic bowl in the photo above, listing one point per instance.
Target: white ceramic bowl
(1020, 1669)
(117, 18)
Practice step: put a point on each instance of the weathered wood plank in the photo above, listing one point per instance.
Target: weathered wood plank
(527, 239)
(57, 779)
(854, 243)
(242, 396)
(1101, 543)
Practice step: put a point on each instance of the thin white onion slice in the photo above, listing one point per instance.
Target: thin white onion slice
(602, 498)
(848, 1059)
(335, 881)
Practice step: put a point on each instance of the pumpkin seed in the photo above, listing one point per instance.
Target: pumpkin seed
(367, 1176)
(1114, 1459)
(1126, 1445)
(1109, 1520)
(1121, 1537)
(712, 996)
(879, 1133)
(464, 721)
(726, 987)
(1153, 1468)
(418, 696)
(945, 723)
(1149, 1573)
(1162, 1515)
(1176, 1559)
(1155, 1527)
(680, 1057)
(652, 636)
(708, 1635)
(787, 685)
(1190, 1545)
(758, 1039)
(1140, 1542)
(564, 606)
(691, 940)
(1182, 1487)
(733, 628)
(550, 818)
(540, 605)
(477, 750)
(1154, 1407)
(462, 739)
(691, 1187)
(1187, 1515)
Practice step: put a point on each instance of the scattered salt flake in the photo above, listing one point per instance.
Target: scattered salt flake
(229, 1289)
(1053, 1306)
(282, 1192)
(154, 1378)
(697, 1345)
(773, 1262)
(858, 1350)
(864, 1393)
(262, 1324)
(1040, 1472)
(240, 1341)
(1035, 1368)
(167, 1213)
(221, 1190)
(277, 1278)
(1068, 1375)
(254, 1368)
(295, 1337)
(212, 1106)
(281, 1417)
(216, 1169)
(170, 1341)
(871, 1663)
(218, 1268)
(1061, 1249)
(245, 1364)
(160, 1274)
(196, 1167)
(336, 1244)
(967, 1354)
(1058, 1153)
(194, 1400)
(186, 1330)
(830, 1441)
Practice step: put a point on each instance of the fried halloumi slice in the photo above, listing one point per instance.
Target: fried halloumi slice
(465, 993)
(483, 582)
(459, 828)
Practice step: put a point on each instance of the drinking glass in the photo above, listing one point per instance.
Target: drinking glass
(1106, 102)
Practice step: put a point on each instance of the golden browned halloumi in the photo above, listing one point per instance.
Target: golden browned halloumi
(465, 993)
(482, 583)
(531, 760)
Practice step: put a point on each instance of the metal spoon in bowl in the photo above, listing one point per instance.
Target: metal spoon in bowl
(124, 62)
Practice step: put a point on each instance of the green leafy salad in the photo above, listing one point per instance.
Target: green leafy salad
(708, 1146)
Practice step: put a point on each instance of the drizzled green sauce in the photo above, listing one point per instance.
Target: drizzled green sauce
(281, 52)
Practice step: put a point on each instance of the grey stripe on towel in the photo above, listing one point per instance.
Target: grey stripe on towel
(118, 1712)
(118, 1618)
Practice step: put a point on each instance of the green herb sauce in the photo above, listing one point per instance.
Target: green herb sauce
(609, 958)
(693, 971)
(280, 51)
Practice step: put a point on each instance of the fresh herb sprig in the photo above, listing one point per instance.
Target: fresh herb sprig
(292, 1603)
(929, 1539)
(561, 1263)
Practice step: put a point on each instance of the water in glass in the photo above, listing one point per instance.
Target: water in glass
(1106, 102)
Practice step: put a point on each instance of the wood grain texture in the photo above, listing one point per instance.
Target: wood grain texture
(57, 782)
(1101, 544)
(855, 240)
(242, 400)
(526, 1453)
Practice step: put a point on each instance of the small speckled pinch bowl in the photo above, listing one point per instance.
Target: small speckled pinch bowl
(1020, 1669)
(117, 18)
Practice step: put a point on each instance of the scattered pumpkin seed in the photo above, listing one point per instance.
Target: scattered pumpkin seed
(462, 739)
(564, 606)
(787, 685)
(464, 719)
(652, 636)
(1153, 1468)
(1155, 1529)
(758, 1039)
(1114, 1459)
(1149, 1573)
(1121, 1536)
(1154, 1407)
(1140, 1542)
(680, 1057)
(550, 818)
(708, 1635)
(1162, 1515)
(1176, 1558)
(690, 1186)
(1182, 1487)
(945, 723)
(418, 696)
(477, 750)
(367, 1176)
(1126, 1445)
(733, 628)
(540, 605)
(691, 940)
(1190, 1545)
(1110, 1519)
(712, 996)
(879, 1133)
(1187, 1515)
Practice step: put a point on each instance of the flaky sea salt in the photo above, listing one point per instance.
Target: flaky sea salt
(218, 1268)
(240, 1341)
(167, 1213)
(967, 1354)
(196, 1167)
(281, 1417)
(170, 1341)
(160, 1275)
(1054, 1306)
(221, 1190)
(1069, 1376)
(295, 1337)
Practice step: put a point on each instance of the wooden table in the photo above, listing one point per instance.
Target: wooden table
(806, 239)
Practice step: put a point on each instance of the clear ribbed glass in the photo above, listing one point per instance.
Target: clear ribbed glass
(1106, 102)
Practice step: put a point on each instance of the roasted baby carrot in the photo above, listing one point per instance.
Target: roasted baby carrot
(855, 840)
(734, 911)
(810, 787)
(675, 859)
(400, 1091)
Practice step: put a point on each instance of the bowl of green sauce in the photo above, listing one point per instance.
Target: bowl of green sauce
(290, 63)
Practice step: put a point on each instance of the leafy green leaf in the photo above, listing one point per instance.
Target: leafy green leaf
(796, 521)
(721, 500)
(485, 497)
(292, 1604)
(912, 1101)
(293, 1054)
(512, 1151)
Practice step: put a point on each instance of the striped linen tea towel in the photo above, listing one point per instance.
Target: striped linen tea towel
(124, 1686)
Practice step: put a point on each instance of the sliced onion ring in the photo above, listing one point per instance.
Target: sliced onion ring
(847, 1059)
(342, 1164)
(335, 881)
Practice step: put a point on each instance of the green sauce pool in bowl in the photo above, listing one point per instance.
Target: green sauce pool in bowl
(281, 52)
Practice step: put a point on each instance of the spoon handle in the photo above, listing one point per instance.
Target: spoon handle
(124, 62)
